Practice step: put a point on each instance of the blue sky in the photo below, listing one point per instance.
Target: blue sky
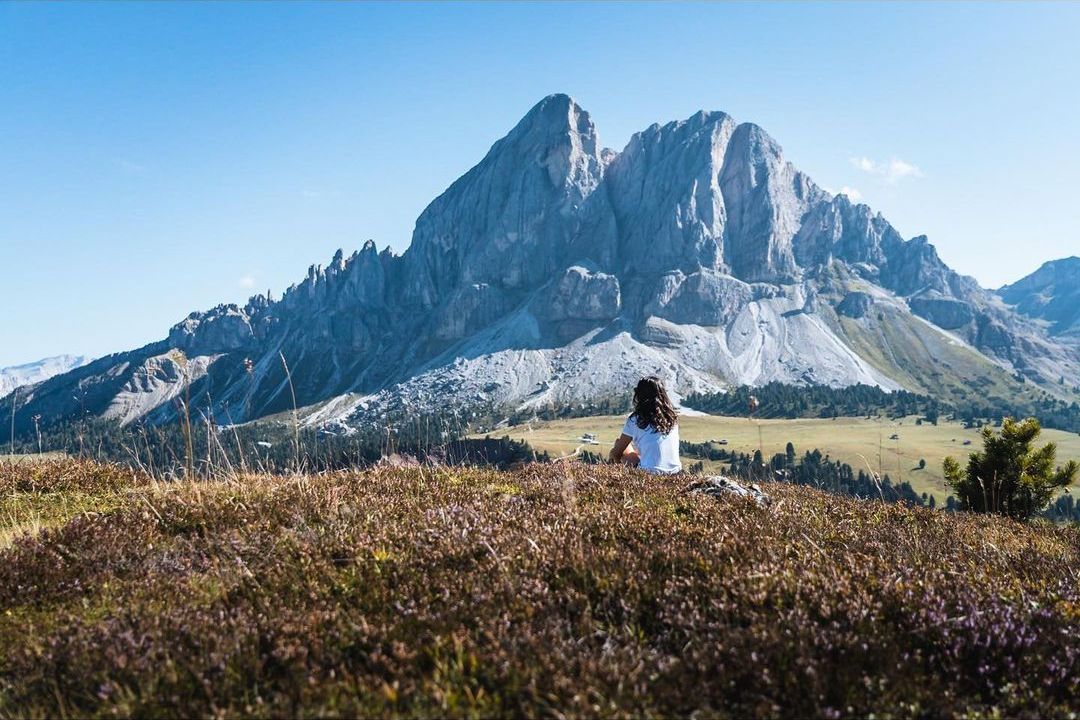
(157, 159)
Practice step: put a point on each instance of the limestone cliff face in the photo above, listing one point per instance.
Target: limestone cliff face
(839, 229)
(766, 200)
(665, 193)
(509, 220)
(556, 270)
(708, 193)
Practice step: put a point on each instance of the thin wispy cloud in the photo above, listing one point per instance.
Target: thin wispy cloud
(852, 193)
(892, 170)
(247, 282)
(865, 164)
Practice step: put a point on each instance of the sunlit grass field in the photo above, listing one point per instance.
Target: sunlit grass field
(860, 442)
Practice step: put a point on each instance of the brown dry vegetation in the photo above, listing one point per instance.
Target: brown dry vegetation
(552, 590)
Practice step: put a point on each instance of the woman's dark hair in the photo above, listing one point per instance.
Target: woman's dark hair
(652, 406)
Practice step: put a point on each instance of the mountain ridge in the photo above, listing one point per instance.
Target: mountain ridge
(1051, 294)
(555, 270)
(37, 371)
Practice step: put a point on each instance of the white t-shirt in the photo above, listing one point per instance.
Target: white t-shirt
(659, 453)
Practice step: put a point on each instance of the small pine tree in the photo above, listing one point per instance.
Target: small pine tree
(1009, 476)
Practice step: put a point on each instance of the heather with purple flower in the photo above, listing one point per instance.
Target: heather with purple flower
(554, 589)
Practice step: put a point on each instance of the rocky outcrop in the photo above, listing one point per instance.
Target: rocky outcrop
(663, 333)
(225, 328)
(914, 267)
(844, 231)
(583, 294)
(948, 313)
(721, 486)
(705, 297)
(855, 305)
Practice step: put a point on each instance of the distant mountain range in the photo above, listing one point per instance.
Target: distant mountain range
(557, 271)
(38, 371)
(1051, 293)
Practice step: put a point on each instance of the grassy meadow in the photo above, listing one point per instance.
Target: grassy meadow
(854, 441)
(555, 590)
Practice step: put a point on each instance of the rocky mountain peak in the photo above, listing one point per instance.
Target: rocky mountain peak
(1049, 273)
(555, 270)
(506, 221)
(564, 132)
(766, 199)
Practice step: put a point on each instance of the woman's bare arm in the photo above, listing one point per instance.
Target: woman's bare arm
(619, 448)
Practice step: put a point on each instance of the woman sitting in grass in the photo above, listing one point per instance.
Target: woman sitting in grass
(653, 428)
